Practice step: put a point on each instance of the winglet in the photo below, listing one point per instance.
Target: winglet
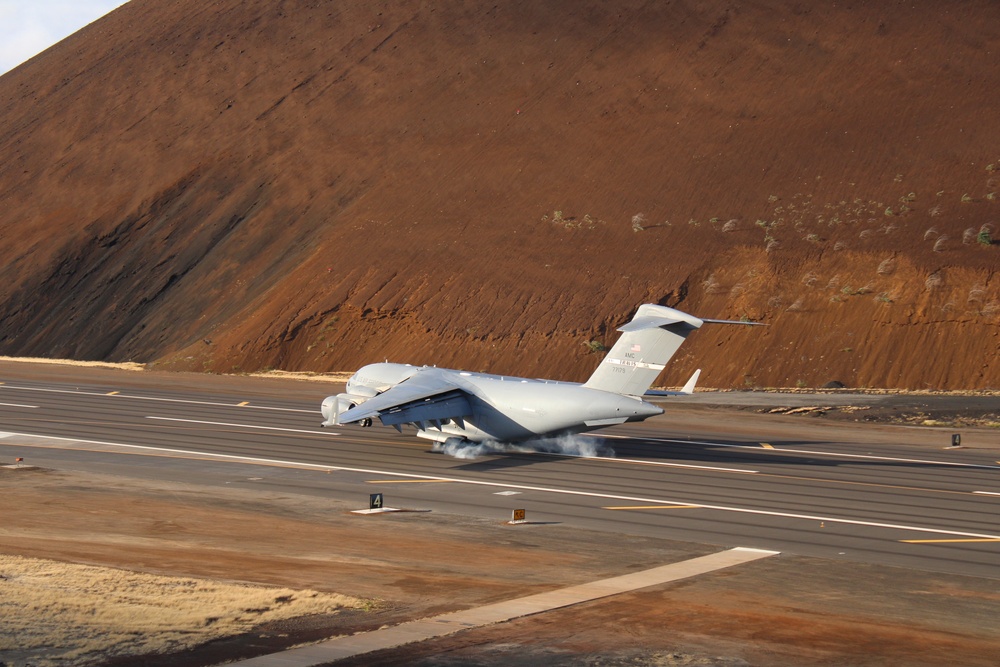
(688, 388)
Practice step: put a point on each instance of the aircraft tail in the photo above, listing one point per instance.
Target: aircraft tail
(647, 343)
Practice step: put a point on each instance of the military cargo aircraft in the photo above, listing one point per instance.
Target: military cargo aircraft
(445, 404)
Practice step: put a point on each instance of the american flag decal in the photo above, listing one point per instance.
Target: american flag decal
(637, 348)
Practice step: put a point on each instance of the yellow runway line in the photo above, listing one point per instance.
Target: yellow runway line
(766, 446)
(974, 539)
(240, 405)
(113, 393)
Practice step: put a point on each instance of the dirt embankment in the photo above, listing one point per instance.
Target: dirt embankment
(245, 185)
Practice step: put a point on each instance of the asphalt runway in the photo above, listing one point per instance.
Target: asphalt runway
(904, 502)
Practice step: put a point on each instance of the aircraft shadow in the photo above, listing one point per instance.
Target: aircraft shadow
(694, 453)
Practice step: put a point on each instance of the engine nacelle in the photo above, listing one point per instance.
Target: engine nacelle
(334, 406)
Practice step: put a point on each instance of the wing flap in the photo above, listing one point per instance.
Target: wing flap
(436, 409)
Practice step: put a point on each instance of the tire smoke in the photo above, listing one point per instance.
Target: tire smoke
(563, 445)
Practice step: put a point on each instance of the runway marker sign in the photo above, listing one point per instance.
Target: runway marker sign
(517, 516)
(376, 505)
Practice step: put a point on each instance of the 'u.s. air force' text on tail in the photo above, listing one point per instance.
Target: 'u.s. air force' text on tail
(443, 404)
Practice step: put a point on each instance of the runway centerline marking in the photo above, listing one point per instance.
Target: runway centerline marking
(18, 405)
(653, 507)
(409, 481)
(250, 426)
(158, 398)
(799, 451)
(521, 487)
(665, 464)
(877, 485)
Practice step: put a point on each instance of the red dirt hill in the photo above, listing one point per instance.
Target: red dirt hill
(310, 185)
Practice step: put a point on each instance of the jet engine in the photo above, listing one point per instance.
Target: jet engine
(334, 406)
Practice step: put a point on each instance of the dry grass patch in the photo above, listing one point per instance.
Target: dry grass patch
(125, 365)
(341, 376)
(54, 613)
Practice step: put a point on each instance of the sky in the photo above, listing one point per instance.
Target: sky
(28, 27)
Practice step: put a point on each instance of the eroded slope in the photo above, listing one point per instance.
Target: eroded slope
(308, 185)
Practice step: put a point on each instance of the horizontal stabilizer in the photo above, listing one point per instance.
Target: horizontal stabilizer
(752, 324)
(642, 323)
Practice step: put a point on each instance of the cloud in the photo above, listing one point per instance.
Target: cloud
(28, 28)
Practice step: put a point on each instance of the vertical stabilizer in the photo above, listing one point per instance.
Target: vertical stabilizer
(646, 345)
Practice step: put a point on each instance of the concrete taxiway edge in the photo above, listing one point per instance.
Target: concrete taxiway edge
(446, 624)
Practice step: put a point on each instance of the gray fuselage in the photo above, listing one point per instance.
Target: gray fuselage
(501, 408)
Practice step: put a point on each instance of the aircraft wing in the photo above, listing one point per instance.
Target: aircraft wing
(426, 397)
